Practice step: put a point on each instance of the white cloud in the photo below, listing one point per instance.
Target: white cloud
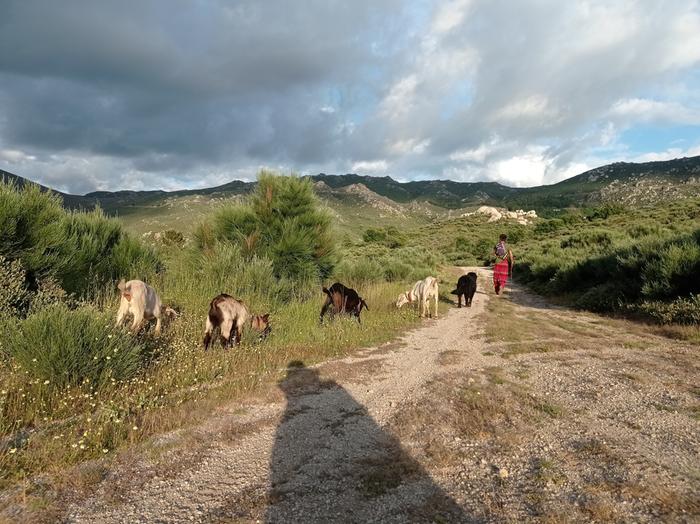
(449, 16)
(15, 156)
(631, 110)
(371, 167)
(668, 154)
(409, 146)
(533, 106)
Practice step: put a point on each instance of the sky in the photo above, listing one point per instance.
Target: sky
(170, 94)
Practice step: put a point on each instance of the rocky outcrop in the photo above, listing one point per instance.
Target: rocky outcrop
(495, 214)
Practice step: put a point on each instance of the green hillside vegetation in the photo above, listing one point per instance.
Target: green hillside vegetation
(642, 260)
(74, 387)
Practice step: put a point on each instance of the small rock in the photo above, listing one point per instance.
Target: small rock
(503, 473)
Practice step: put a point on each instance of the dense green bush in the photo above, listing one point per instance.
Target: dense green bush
(650, 268)
(389, 236)
(79, 251)
(31, 228)
(596, 239)
(549, 225)
(70, 347)
(283, 221)
(14, 295)
(679, 311)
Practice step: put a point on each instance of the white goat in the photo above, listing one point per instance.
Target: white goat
(140, 300)
(422, 292)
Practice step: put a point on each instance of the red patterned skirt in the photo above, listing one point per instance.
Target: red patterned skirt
(500, 274)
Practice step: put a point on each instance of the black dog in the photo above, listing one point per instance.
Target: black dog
(343, 300)
(466, 285)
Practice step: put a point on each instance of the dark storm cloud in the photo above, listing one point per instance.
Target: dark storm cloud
(167, 83)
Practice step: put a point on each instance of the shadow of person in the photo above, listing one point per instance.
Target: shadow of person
(331, 462)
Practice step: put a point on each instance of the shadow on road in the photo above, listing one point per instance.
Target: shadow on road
(331, 462)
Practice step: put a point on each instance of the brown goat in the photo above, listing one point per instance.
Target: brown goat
(342, 299)
(230, 316)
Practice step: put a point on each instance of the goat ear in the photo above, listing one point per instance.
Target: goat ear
(266, 317)
(121, 285)
(364, 304)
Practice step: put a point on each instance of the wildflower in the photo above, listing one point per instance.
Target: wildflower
(135, 428)
(47, 382)
(33, 360)
(105, 450)
(82, 446)
(73, 445)
(13, 450)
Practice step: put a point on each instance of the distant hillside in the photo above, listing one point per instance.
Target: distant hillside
(622, 182)
(383, 198)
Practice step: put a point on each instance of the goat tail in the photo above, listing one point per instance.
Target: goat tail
(363, 303)
(454, 292)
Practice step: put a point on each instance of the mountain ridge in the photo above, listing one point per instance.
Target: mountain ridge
(619, 181)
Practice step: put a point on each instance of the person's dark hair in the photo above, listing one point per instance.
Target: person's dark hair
(503, 237)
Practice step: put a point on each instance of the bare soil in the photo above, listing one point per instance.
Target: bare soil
(509, 411)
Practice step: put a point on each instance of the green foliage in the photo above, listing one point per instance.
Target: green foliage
(597, 239)
(282, 221)
(14, 295)
(679, 311)
(96, 250)
(631, 259)
(379, 263)
(389, 236)
(31, 228)
(374, 234)
(71, 347)
(79, 251)
(549, 226)
(605, 211)
(172, 237)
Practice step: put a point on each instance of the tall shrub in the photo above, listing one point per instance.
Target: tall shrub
(68, 347)
(282, 220)
(79, 251)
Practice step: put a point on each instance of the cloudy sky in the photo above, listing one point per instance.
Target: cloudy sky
(170, 94)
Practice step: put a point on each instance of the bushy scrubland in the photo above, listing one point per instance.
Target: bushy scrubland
(609, 258)
(74, 387)
(644, 260)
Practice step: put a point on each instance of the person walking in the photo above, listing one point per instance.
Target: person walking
(504, 264)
